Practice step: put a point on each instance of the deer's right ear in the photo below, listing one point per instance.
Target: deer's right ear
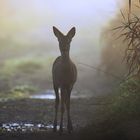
(57, 33)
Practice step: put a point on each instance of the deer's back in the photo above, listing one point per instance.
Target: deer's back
(64, 74)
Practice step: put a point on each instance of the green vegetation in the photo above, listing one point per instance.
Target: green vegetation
(126, 103)
(18, 92)
(119, 117)
(23, 76)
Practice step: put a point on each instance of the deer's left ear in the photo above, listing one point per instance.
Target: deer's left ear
(71, 33)
(57, 33)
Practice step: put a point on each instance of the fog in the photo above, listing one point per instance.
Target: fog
(112, 54)
(26, 35)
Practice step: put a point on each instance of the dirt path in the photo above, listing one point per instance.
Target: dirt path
(39, 136)
(38, 111)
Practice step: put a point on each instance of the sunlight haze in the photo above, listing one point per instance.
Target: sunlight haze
(24, 19)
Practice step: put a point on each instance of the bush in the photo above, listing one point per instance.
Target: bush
(27, 71)
(18, 92)
(118, 118)
(126, 103)
(4, 84)
(29, 66)
(24, 89)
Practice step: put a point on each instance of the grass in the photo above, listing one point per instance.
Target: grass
(126, 103)
(120, 118)
(18, 92)
(25, 71)
(27, 65)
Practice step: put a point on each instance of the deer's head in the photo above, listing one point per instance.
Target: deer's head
(64, 40)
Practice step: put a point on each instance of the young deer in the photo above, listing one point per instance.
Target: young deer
(64, 76)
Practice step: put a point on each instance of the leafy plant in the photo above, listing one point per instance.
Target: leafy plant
(126, 103)
(29, 66)
(24, 89)
(114, 117)
(130, 32)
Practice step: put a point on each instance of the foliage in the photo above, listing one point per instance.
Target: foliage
(17, 92)
(34, 72)
(24, 89)
(29, 66)
(130, 32)
(114, 117)
(126, 103)
(4, 84)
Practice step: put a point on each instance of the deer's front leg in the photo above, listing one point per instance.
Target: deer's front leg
(62, 110)
(56, 109)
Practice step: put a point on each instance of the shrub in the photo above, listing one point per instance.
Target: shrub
(126, 103)
(124, 109)
(29, 66)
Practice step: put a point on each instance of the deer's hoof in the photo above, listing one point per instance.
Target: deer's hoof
(54, 129)
(70, 129)
(60, 130)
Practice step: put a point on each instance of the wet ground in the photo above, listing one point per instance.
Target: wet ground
(25, 127)
(21, 119)
(49, 94)
(32, 119)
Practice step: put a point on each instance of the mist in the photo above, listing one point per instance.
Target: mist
(113, 52)
(103, 104)
(26, 36)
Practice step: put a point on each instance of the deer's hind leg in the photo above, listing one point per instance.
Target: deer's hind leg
(69, 124)
(56, 89)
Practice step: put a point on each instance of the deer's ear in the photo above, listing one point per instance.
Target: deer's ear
(57, 33)
(71, 33)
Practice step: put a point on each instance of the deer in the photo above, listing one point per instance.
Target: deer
(64, 73)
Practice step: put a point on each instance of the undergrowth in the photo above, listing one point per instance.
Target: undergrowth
(117, 119)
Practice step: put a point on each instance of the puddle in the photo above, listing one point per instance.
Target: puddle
(49, 94)
(25, 127)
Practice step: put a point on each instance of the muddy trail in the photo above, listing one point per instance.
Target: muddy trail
(33, 118)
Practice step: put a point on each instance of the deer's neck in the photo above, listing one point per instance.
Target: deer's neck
(65, 58)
